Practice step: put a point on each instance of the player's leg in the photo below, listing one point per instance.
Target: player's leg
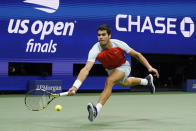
(115, 76)
(111, 80)
(132, 81)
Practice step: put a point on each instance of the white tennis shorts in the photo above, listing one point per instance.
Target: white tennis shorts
(126, 68)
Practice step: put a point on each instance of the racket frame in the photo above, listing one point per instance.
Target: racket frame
(52, 96)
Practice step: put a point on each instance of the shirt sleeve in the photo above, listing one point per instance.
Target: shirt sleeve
(124, 46)
(93, 54)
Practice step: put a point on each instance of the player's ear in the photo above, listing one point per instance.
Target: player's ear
(110, 36)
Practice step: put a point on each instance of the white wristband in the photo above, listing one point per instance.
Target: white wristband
(77, 84)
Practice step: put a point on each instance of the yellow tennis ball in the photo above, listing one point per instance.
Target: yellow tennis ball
(58, 107)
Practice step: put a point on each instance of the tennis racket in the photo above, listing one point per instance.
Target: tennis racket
(38, 99)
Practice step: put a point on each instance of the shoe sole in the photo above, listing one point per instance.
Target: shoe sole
(90, 111)
(153, 87)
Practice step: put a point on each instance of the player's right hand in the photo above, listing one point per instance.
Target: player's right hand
(72, 91)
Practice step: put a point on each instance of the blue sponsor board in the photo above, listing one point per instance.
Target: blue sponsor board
(52, 86)
(62, 32)
(190, 85)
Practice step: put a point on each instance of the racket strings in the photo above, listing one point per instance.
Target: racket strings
(36, 100)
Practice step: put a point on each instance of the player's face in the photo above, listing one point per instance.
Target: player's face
(103, 37)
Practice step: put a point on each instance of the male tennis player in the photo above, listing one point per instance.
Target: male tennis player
(110, 53)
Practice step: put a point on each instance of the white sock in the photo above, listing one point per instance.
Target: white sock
(144, 82)
(98, 106)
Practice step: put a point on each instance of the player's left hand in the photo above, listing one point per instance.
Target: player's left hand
(153, 70)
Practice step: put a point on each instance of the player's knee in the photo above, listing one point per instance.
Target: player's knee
(127, 83)
(110, 81)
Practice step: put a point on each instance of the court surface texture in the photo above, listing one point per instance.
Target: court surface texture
(125, 111)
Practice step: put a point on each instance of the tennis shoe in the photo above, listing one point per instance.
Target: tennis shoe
(150, 84)
(92, 110)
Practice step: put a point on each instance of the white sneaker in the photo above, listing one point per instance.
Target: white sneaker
(92, 110)
(150, 84)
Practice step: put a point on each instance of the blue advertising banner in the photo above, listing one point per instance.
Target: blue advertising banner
(62, 32)
(52, 86)
(190, 85)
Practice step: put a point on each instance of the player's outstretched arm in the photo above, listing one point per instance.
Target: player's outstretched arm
(81, 77)
(144, 61)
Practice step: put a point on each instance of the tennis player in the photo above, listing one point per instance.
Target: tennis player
(110, 53)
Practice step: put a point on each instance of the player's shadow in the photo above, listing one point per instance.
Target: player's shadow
(106, 124)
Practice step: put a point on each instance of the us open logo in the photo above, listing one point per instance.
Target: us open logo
(49, 6)
(41, 28)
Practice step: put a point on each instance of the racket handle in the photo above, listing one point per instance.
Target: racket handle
(65, 93)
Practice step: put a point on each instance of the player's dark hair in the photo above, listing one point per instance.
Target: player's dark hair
(104, 27)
